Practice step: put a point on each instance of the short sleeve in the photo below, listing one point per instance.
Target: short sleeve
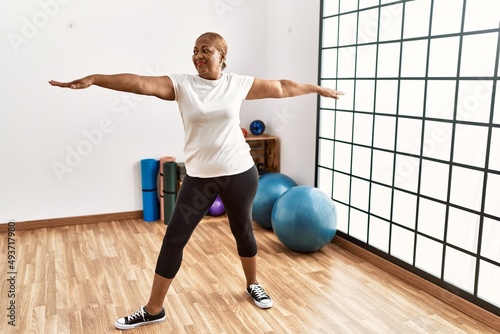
(176, 78)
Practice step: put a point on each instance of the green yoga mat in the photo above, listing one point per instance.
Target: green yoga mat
(160, 183)
(169, 189)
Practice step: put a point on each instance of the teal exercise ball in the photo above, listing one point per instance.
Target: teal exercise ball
(271, 187)
(304, 219)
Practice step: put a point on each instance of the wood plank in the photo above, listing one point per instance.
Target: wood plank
(79, 278)
(452, 301)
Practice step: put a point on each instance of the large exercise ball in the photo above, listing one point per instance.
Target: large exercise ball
(304, 219)
(271, 187)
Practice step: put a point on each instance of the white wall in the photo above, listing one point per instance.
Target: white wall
(42, 127)
(292, 52)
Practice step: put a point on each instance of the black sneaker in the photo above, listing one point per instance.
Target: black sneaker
(260, 297)
(140, 318)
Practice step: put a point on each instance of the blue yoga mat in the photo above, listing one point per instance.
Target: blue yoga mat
(149, 176)
(151, 206)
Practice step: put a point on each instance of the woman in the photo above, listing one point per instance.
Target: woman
(217, 158)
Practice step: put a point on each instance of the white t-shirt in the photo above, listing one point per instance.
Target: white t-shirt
(214, 144)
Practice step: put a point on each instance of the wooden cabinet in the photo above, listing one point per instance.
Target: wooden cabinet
(265, 150)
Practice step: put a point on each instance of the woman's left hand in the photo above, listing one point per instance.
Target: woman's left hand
(329, 92)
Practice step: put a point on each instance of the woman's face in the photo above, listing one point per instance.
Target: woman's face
(207, 59)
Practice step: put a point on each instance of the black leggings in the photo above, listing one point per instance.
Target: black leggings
(193, 201)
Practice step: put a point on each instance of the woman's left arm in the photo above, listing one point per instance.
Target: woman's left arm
(262, 89)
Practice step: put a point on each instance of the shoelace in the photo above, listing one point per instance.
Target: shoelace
(137, 314)
(259, 293)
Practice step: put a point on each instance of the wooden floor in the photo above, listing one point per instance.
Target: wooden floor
(78, 279)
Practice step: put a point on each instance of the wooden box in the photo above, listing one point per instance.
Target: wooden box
(265, 150)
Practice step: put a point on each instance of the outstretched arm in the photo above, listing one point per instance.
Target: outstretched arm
(262, 89)
(161, 87)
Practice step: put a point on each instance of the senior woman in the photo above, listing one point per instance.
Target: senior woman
(217, 158)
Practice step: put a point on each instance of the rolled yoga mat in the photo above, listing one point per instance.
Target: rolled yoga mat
(169, 188)
(160, 184)
(150, 203)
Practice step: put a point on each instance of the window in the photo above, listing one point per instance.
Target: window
(411, 153)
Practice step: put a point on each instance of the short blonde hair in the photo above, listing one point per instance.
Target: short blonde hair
(220, 44)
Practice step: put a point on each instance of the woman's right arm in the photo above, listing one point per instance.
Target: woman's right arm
(160, 86)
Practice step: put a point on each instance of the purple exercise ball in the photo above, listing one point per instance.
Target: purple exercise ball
(217, 208)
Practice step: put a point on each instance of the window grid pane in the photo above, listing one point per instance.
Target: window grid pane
(414, 165)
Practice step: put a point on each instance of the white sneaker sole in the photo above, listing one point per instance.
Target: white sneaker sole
(125, 326)
(262, 305)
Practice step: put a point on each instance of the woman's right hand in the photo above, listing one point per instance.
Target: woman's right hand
(75, 84)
